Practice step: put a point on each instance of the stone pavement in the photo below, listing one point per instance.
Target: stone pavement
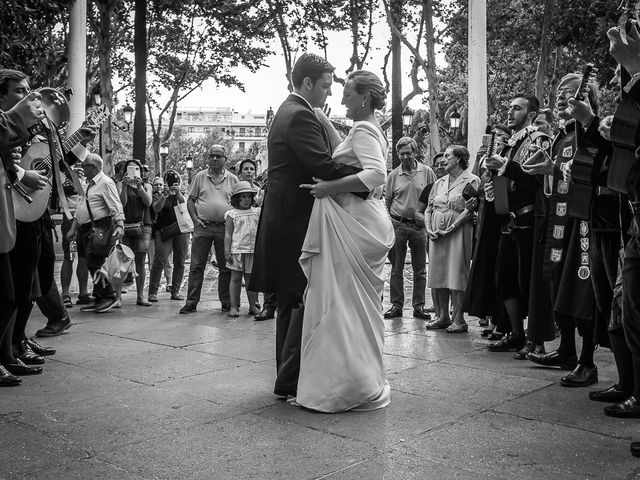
(145, 393)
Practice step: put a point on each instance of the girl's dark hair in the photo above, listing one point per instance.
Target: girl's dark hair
(234, 200)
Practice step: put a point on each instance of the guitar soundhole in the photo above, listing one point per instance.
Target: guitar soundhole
(41, 166)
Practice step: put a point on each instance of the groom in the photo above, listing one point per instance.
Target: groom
(299, 149)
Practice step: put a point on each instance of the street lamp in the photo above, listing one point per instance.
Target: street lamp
(454, 120)
(164, 153)
(189, 165)
(407, 119)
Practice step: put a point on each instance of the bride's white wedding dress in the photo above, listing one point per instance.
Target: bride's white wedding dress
(343, 257)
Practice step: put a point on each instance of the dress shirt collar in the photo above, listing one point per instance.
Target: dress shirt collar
(419, 167)
(95, 180)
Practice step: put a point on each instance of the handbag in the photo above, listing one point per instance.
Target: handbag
(170, 231)
(100, 237)
(183, 218)
(133, 229)
(469, 192)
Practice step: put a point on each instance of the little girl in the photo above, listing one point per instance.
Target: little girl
(241, 226)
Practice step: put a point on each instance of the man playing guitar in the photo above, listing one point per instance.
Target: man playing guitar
(32, 238)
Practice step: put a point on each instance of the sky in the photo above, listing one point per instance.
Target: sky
(268, 86)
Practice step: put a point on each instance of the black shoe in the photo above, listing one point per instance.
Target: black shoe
(105, 305)
(610, 395)
(493, 336)
(52, 329)
(7, 379)
(266, 314)
(530, 347)
(422, 313)
(39, 349)
(28, 356)
(630, 408)
(393, 312)
(188, 308)
(581, 376)
(176, 296)
(635, 449)
(19, 368)
(89, 308)
(84, 300)
(553, 359)
(508, 344)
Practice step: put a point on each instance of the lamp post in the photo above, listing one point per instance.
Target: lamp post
(454, 122)
(164, 153)
(189, 165)
(407, 120)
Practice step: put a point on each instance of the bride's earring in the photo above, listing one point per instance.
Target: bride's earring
(362, 104)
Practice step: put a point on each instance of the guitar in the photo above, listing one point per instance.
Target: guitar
(38, 157)
(500, 184)
(624, 128)
(581, 189)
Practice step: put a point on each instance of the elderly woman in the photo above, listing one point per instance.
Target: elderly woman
(450, 239)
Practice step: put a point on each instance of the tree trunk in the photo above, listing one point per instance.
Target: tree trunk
(543, 62)
(432, 80)
(105, 9)
(396, 82)
(140, 53)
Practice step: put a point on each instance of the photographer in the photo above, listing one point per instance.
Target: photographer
(135, 195)
(168, 236)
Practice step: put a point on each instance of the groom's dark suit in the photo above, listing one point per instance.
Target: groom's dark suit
(299, 149)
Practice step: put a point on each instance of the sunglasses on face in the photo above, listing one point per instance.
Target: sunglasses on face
(215, 155)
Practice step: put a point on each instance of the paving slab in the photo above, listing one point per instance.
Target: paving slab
(245, 447)
(504, 446)
(83, 470)
(406, 417)
(24, 449)
(463, 385)
(429, 346)
(253, 348)
(405, 466)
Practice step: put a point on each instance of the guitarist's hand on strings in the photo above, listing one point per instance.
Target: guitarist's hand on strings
(34, 180)
(533, 166)
(605, 127)
(628, 55)
(495, 162)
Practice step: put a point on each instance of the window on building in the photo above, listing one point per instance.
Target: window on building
(190, 129)
(207, 129)
(242, 131)
(241, 145)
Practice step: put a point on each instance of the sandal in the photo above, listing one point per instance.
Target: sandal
(66, 300)
(458, 328)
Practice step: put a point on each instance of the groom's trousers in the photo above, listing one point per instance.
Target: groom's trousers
(288, 340)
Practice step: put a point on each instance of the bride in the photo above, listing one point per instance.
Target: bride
(343, 256)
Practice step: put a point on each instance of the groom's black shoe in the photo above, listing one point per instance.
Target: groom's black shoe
(420, 312)
(393, 312)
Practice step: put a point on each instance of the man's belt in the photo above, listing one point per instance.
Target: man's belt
(513, 219)
(605, 191)
(403, 219)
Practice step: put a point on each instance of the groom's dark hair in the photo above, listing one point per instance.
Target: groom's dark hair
(312, 66)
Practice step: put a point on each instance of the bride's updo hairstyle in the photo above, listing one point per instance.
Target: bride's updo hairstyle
(365, 81)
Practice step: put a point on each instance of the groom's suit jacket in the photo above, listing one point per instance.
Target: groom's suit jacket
(298, 149)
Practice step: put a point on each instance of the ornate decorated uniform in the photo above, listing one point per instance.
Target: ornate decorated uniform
(515, 249)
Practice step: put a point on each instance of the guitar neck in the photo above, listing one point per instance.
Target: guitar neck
(67, 145)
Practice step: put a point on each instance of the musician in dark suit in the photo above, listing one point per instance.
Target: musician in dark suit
(564, 258)
(13, 131)
(33, 238)
(299, 149)
(515, 249)
(628, 54)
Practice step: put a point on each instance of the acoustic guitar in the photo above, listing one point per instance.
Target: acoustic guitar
(500, 184)
(38, 157)
(624, 128)
(581, 189)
